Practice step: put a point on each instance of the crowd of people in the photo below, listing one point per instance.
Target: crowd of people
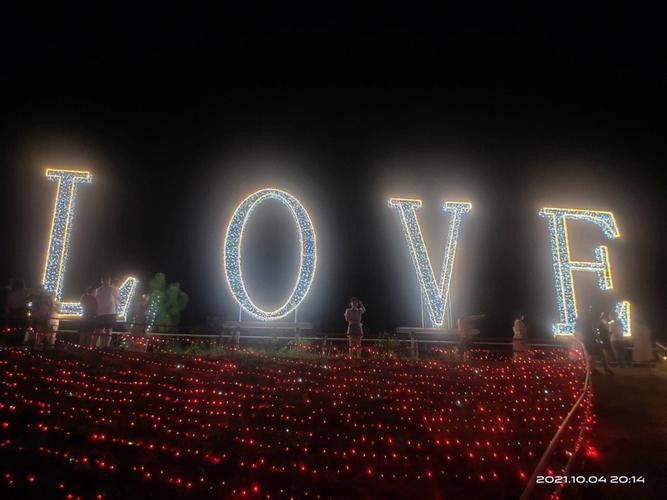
(602, 336)
(33, 314)
(25, 310)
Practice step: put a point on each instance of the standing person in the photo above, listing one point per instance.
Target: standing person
(617, 342)
(88, 317)
(355, 330)
(107, 308)
(466, 333)
(586, 329)
(520, 330)
(42, 312)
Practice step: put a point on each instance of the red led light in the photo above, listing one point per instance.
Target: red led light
(86, 421)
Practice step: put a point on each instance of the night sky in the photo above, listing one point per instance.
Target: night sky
(181, 114)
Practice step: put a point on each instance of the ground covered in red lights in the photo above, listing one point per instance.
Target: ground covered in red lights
(121, 424)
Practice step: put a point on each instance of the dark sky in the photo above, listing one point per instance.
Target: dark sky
(180, 114)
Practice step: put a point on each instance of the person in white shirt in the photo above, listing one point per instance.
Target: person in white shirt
(107, 299)
(520, 330)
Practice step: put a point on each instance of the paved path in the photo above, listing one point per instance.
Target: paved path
(630, 435)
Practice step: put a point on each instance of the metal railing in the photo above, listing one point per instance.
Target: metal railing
(556, 438)
(328, 338)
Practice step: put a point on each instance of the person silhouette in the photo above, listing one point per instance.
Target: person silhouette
(353, 315)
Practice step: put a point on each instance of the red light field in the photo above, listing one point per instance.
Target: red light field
(85, 423)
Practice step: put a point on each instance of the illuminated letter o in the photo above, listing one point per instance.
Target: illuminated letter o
(232, 253)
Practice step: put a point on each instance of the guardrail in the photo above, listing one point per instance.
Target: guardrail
(539, 468)
(328, 338)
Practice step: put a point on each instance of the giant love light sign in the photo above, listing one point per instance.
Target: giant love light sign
(55, 265)
(435, 291)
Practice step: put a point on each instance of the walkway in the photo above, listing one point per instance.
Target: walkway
(630, 436)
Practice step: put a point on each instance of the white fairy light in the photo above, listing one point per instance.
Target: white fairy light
(436, 293)
(624, 316)
(151, 314)
(232, 253)
(61, 226)
(59, 240)
(564, 266)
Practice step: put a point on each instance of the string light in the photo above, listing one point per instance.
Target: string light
(59, 241)
(232, 253)
(151, 313)
(126, 293)
(86, 422)
(436, 293)
(623, 313)
(61, 226)
(564, 266)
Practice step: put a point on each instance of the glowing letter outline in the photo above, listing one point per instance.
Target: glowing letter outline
(623, 312)
(232, 253)
(564, 266)
(436, 294)
(57, 256)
